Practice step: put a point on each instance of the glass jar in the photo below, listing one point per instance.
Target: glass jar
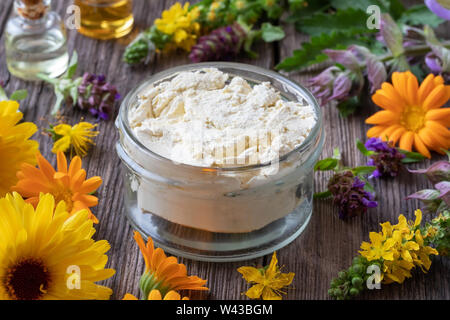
(206, 213)
(35, 41)
(105, 19)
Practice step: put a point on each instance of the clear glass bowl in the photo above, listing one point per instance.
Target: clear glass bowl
(204, 213)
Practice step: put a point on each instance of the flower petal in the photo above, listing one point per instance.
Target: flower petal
(406, 141)
(420, 146)
(383, 117)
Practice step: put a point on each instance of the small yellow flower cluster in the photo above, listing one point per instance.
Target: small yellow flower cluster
(180, 23)
(400, 247)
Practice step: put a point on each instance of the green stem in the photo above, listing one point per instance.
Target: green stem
(3, 96)
(414, 51)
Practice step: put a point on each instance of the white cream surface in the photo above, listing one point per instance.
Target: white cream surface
(206, 119)
(189, 119)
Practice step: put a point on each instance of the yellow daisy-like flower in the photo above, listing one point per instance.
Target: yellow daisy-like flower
(413, 114)
(268, 282)
(400, 247)
(68, 184)
(156, 295)
(164, 273)
(15, 146)
(378, 248)
(77, 138)
(180, 23)
(47, 254)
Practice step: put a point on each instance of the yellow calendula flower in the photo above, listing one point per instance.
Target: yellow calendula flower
(268, 282)
(156, 295)
(180, 23)
(400, 247)
(48, 254)
(77, 138)
(15, 146)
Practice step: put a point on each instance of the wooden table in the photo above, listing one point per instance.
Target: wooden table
(327, 245)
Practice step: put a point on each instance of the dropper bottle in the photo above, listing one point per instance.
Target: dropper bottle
(35, 41)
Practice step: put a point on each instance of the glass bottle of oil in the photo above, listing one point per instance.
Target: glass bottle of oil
(35, 41)
(105, 19)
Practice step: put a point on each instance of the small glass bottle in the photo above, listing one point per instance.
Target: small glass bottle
(106, 19)
(35, 41)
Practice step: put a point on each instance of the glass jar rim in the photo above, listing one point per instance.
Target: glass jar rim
(123, 123)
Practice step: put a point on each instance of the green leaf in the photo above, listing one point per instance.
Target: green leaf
(363, 170)
(19, 95)
(396, 8)
(271, 33)
(411, 157)
(311, 52)
(300, 9)
(361, 4)
(73, 64)
(361, 147)
(350, 20)
(348, 106)
(326, 164)
(420, 15)
(58, 102)
(322, 195)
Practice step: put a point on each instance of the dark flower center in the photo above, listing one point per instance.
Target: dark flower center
(27, 280)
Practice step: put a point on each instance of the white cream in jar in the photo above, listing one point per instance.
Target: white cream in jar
(207, 118)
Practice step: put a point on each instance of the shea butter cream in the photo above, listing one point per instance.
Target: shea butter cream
(219, 159)
(207, 118)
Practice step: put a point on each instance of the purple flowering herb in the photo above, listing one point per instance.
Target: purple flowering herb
(349, 195)
(221, 44)
(345, 57)
(97, 96)
(433, 63)
(385, 157)
(437, 172)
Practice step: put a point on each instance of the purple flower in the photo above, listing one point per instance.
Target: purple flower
(221, 44)
(438, 9)
(349, 195)
(97, 96)
(437, 172)
(386, 158)
(336, 84)
(433, 63)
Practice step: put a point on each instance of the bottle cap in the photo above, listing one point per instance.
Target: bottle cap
(32, 9)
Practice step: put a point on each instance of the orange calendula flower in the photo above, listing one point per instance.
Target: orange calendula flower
(68, 184)
(156, 295)
(164, 273)
(413, 115)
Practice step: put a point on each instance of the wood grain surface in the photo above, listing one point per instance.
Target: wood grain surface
(328, 244)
